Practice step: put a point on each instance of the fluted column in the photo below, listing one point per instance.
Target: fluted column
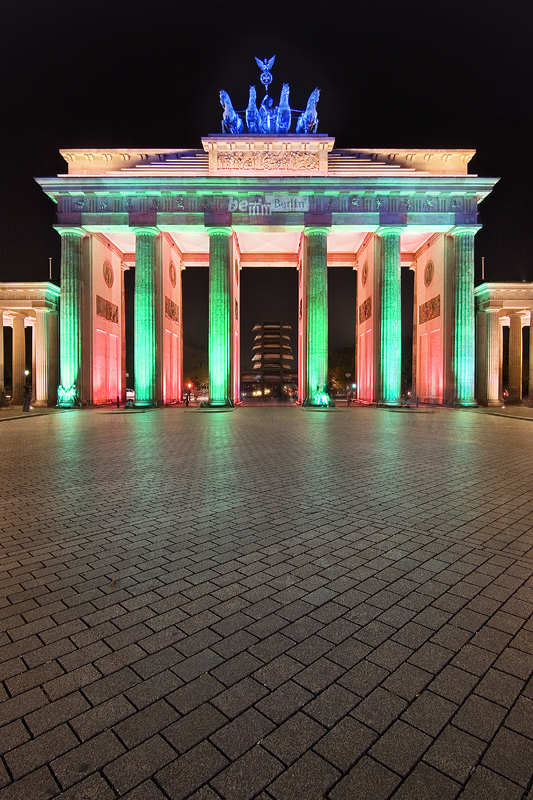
(70, 317)
(2, 386)
(144, 338)
(316, 299)
(530, 387)
(515, 358)
(19, 359)
(492, 356)
(219, 347)
(42, 356)
(464, 338)
(391, 316)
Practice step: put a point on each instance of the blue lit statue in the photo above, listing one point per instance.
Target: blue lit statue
(308, 120)
(253, 122)
(267, 114)
(231, 122)
(269, 118)
(283, 117)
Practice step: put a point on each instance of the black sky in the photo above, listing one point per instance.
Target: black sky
(111, 73)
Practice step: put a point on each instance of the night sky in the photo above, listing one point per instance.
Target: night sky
(110, 73)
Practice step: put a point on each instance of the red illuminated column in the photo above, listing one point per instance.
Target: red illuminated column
(515, 358)
(42, 356)
(2, 387)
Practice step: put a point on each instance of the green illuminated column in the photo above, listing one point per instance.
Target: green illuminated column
(316, 393)
(144, 337)
(70, 317)
(464, 339)
(391, 316)
(219, 317)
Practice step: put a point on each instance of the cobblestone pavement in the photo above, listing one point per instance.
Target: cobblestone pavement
(267, 603)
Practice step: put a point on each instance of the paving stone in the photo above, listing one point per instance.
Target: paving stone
(511, 755)
(367, 779)
(407, 681)
(500, 687)
(401, 747)
(239, 697)
(308, 779)
(345, 743)
(425, 783)
(139, 763)
(246, 776)
(278, 671)
(318, 675)
(379, 709)
(242, 733)
(193, 694)
(146, 791)
(87, 758)
(193, 727)
(52, 714)
(92, 788)
(429, 713)
(521, 717)
(284, 701)
(454, 684)
(190, 771)
(142, 725)
(40, 751)
(486, 784)
(291, 740)
(101, 717)
(455, 753)
(479, 717)
(39, 785)
(331, 705)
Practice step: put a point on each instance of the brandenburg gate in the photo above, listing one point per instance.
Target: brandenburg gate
(266, 197)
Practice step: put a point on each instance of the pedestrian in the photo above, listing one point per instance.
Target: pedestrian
(26, 397)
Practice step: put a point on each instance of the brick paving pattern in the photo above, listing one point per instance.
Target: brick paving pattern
(267, 604)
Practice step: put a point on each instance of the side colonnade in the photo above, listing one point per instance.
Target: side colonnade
(35, 305)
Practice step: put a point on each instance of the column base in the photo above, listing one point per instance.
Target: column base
(390, 404)
(214, 404)
(145, 404)
(465, 404)
(318, 401)
(68, 398)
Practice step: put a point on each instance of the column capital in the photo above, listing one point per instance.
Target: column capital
(144, 230)
(219, 230)
(69, 230)
(390, 230)
(462, 230)
(316, 230)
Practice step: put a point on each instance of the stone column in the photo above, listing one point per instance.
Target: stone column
(316, 299)
(492, 356)
(391, 317)
(530, 387)
(2, 385)
(220, 339)
(464, 338)
(515, 358)
(70, 318)
(19, 360)
(42, 356)
(144, 337)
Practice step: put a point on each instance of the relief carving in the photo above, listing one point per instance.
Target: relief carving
(106, 310)
(171, 310)
(268, 161)
(365, 310)
(429, 310)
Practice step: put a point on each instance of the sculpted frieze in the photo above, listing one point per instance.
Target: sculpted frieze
(268, 161)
